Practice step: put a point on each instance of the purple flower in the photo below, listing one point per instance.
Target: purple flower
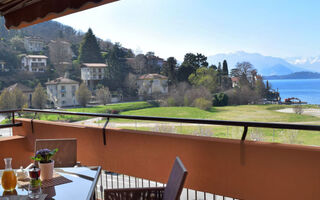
(43, 152)
(44, 155)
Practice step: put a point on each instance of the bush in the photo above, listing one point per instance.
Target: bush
(298, 109)
(241, 96)
(170, 101)
(220, 99)
(115, 111)
(177, 94)
(194, 93)
(202, 103)
(154, 103)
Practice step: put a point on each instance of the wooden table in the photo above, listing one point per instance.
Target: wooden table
(84, 180)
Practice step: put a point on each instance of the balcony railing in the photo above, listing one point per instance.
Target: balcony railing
(243, 124)
(12, 113)
(236, 168)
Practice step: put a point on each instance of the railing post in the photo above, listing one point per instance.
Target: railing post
(244, 135)
(104, 131)
(32, 129)
(12, 117)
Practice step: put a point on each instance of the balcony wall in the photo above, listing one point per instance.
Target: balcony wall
(249, 170)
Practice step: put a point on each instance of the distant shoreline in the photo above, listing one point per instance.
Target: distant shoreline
(296, 75)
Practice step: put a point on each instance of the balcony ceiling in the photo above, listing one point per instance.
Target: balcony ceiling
(23, 13)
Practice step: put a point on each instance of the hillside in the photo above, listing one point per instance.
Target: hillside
(296, 75)
(50, 30)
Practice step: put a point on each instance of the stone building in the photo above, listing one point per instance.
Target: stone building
(62, 92)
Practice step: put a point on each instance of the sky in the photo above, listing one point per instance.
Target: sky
(280, 28)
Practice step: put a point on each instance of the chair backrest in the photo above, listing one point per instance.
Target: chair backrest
(176, 181)
(67, 150)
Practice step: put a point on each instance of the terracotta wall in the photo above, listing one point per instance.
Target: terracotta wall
(250, 170)
(16, 148)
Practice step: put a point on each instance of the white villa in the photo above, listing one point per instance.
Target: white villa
(33, 44)
(34, 63)
(62, 92)
(149, 84)
(91, 73)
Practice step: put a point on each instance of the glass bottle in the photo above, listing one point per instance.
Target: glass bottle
(9, 179)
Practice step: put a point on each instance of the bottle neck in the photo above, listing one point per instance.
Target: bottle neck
(7, 162)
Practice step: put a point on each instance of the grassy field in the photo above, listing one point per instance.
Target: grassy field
(96, 109)
(257, 134)
(260, 113)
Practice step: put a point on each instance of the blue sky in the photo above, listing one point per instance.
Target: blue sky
(281, 28)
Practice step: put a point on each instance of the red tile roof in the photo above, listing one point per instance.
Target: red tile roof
(94, 65)
(61, 80)
(152, 76)
(235, 79)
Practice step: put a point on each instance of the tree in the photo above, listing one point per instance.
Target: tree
(89, 51)
(220, 99)
(196, 60)
(39, 97)
(7, 100)
(214, 67)
(130, 84)
(17, 44)
(169, 70)
(117, 68)
(103, 95)
(184, 71)
(243, 68)
(20, 98)
(190, 64)
(83, 95)
(225, 70)
(260, 88)
(246, 72)
(139, 64)
(205, 77)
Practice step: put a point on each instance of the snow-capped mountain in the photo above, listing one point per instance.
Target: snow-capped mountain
(266, 65)
(310, 63)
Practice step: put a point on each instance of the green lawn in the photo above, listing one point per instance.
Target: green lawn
(96, 109)
(261, 113)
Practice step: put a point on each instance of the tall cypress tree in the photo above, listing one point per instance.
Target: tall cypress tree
(225, 70)
(89, 51)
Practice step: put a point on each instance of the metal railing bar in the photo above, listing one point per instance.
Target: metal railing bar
(10, 111)
(10, 125)
(192, 121)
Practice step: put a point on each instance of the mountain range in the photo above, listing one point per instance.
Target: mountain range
(309, 63)
(268, 65)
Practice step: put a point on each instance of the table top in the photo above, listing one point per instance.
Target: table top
(84, 180)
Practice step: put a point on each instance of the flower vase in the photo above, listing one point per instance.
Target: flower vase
(46, 170)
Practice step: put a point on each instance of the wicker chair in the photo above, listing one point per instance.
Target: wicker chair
(67, 150)
(172, 191)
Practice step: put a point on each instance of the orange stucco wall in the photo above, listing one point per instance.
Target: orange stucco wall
(250, 170)
(15, 147)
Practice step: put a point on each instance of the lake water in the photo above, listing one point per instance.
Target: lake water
(305, 89)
